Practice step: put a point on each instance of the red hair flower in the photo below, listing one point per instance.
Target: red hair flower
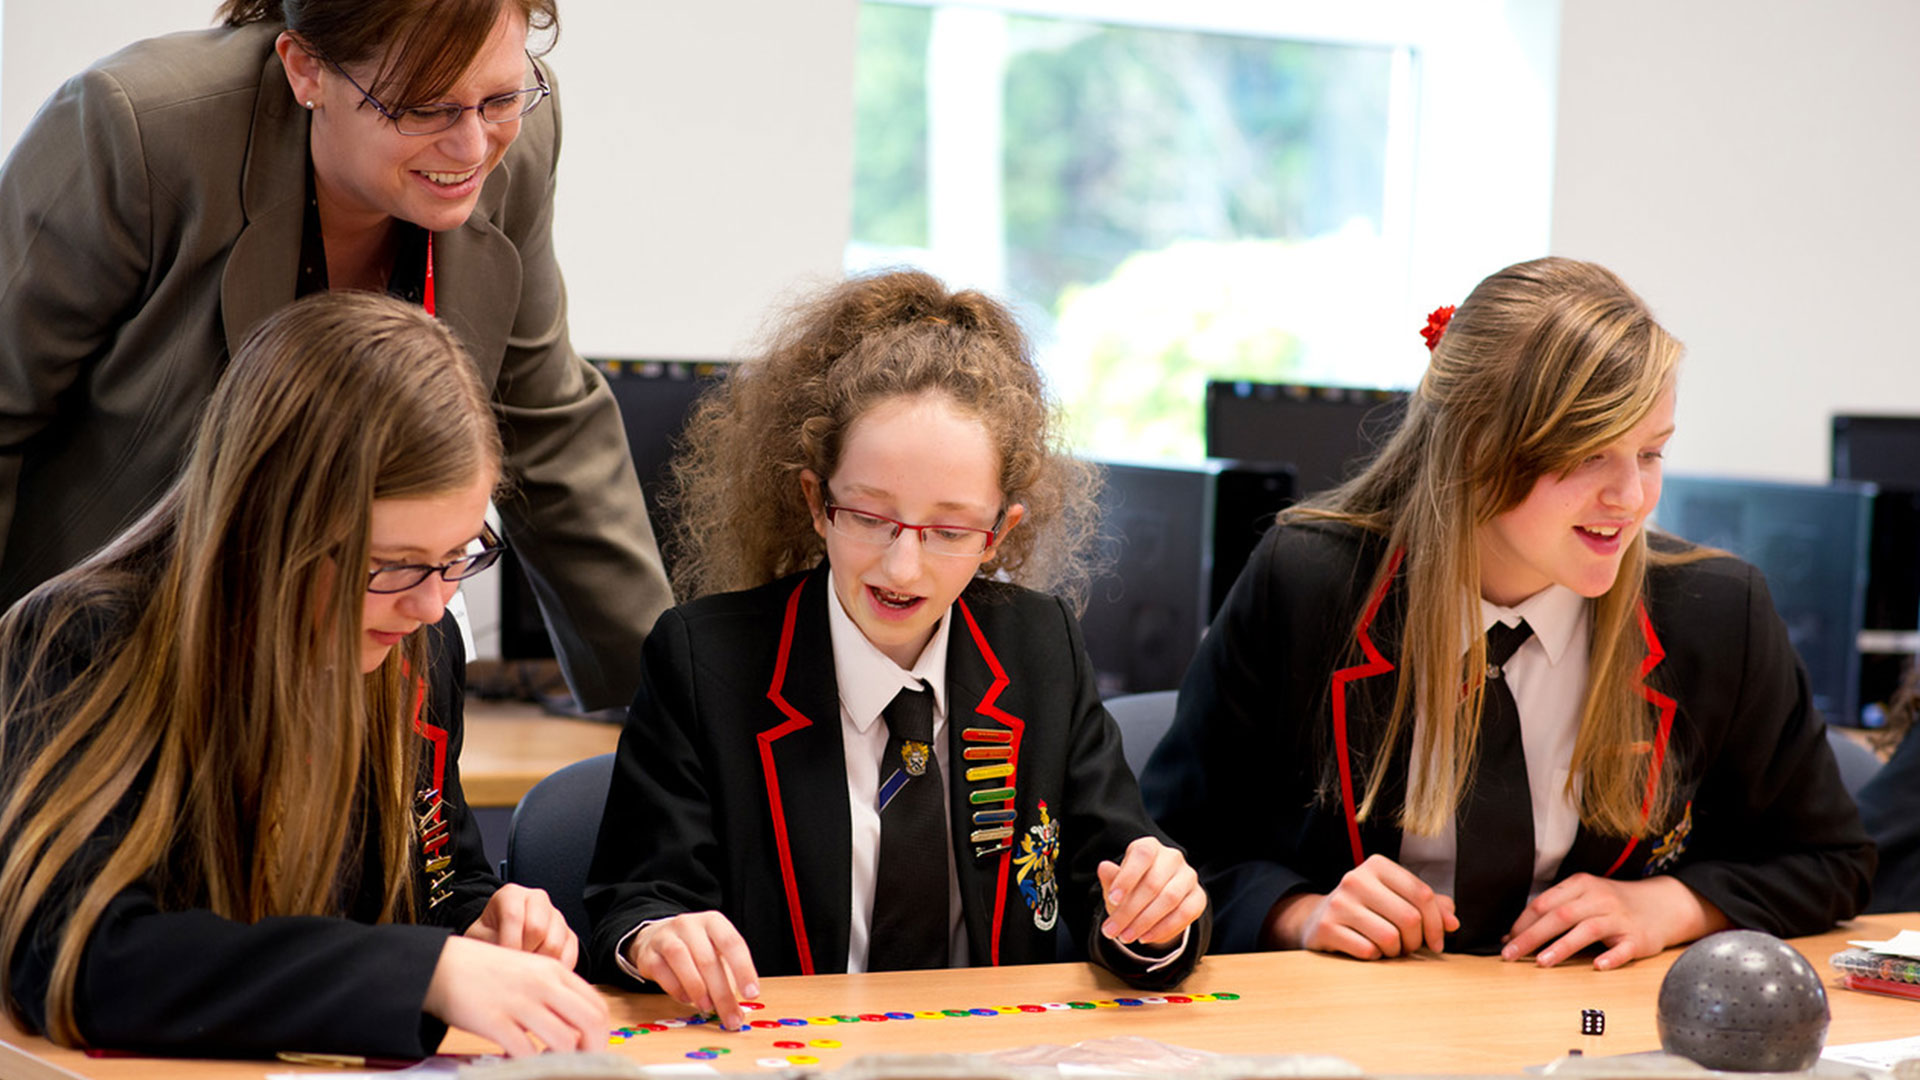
(1436, 325)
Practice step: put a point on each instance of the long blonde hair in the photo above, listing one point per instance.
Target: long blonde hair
(742, 519)
(1543, 364)
(199, 678)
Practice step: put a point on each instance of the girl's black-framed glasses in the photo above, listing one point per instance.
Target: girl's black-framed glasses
(398, 579)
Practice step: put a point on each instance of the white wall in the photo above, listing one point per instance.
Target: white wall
(41, 44)
(1749, 167)
(707, 167)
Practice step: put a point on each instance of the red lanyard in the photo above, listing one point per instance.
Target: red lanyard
(426, 299)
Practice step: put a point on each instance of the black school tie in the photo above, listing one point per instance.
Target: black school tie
(910, 891)
(1493, 837)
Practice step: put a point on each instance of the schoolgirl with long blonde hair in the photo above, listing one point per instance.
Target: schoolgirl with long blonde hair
(1659, 771)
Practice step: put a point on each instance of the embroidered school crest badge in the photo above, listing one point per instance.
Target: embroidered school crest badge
(1671, 846)
(913, 757)
(1038, 851)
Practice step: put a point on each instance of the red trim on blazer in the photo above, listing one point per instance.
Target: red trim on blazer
(437, 736)
(794, 722)
(989, 709)
(1376, 665)
(1655, 654)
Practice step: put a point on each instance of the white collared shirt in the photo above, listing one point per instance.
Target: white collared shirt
(868, 680)
(1548, 679)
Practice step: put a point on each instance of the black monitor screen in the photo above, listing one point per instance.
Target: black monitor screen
(1324, 432)
(1811, 542)
(655, 398)
(1884, 450)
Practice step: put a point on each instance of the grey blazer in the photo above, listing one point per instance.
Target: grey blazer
(151, 216)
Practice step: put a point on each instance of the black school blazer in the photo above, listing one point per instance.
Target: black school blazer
(1763, 827)
(729, 790)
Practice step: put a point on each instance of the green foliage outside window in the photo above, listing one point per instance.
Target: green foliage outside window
(890, 119)
(1166, 195)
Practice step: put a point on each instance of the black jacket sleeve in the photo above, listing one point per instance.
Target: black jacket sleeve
(190, 981)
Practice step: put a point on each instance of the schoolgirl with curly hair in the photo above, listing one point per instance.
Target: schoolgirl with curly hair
(872, 741)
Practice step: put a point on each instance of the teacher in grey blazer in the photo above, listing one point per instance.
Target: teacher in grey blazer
(174, 194)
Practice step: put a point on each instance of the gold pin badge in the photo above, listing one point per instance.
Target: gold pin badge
(914, 757)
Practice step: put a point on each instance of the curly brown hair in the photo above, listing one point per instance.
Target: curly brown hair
(741, 516)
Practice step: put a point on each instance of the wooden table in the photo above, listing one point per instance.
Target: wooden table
(511, 746)
(1450, 1014)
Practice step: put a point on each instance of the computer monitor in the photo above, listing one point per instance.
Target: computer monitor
(655, 399)
(1325, 432)
(1811, 542)
(1885, 450)
(1175, 536)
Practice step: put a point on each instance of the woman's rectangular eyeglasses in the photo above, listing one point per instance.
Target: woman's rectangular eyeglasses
(436, 118)
(864, 528)
(397, 579)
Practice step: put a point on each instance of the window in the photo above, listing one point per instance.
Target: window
(1162, 203)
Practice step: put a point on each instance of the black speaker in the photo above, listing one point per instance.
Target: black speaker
(1174, 538)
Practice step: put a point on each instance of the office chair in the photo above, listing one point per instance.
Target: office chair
(1857, 763)
(1144, 720)
(550, 840)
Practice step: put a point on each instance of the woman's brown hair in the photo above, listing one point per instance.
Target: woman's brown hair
(197, 683)
(1543, 364)
(742, 518)
(423, 46)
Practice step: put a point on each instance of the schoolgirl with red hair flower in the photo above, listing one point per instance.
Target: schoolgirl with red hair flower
(1469, 700)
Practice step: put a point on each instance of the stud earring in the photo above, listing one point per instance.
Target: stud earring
(310, 105)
